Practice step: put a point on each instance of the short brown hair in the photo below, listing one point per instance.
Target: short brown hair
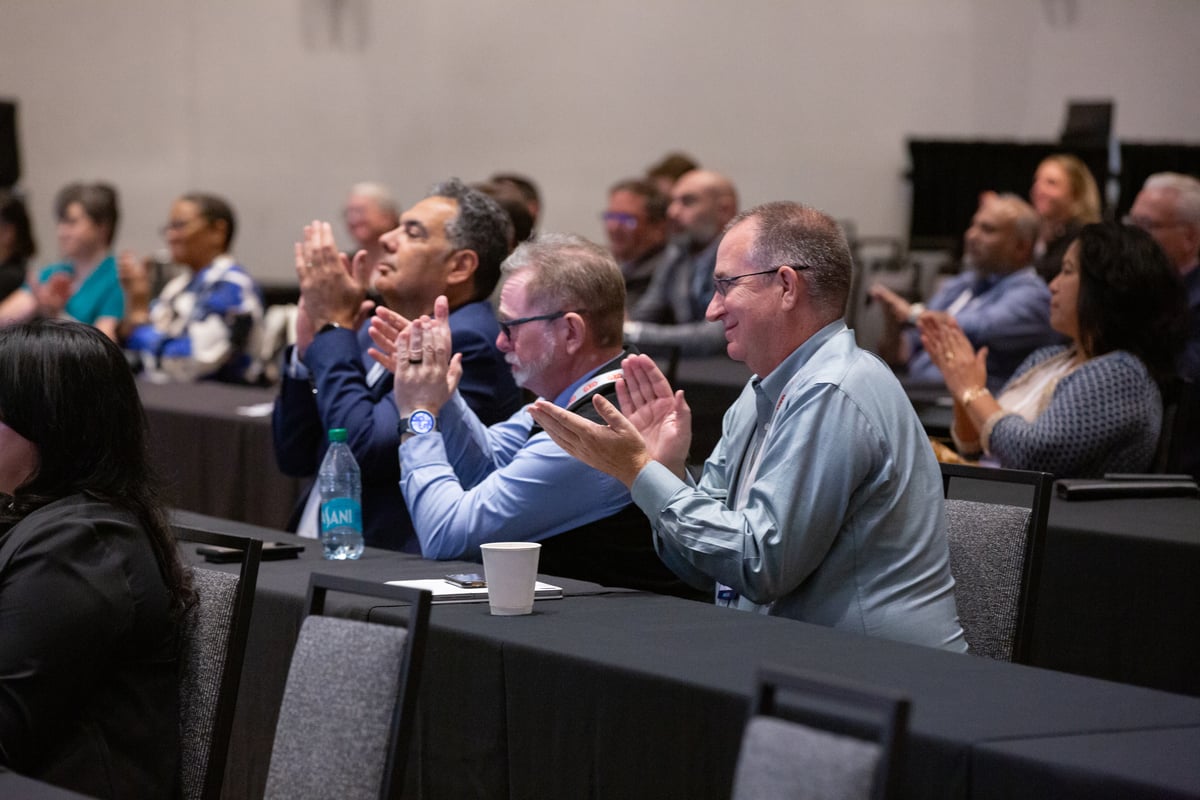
(98, 200)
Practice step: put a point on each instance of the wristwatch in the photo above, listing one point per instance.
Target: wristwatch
(419, 422)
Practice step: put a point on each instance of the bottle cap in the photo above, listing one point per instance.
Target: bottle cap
(337, 434)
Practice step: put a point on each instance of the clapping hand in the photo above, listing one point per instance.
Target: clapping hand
(426, 373)
(134, 277)
(53, 293)
(962, 368)
(328, 285)
(896, 306)
(653, 424)
(385, 328)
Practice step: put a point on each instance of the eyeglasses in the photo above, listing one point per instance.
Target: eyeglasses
(506, 325)
(628, 221)
(177, 225)
(1147, 224)
(723, 285)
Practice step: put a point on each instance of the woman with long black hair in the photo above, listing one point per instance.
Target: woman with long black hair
(91, 586)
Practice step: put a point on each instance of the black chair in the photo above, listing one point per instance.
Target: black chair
(996, 558)
(350, 698)
(817, 737)
(1179, 443)
(212, 646)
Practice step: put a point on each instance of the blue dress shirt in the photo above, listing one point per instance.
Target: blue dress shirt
(470, 484)
(843, 524)
(1010, 316)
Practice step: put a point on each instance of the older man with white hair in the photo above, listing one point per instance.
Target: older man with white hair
(369, 213)
(561, 308)
(1168, 208)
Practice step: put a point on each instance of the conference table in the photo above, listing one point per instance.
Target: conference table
(212, 444)
(1119, 595)
(611, 693)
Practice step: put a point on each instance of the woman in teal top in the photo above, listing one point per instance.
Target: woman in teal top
(84, 285)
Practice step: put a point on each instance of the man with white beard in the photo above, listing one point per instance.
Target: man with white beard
(562, 304)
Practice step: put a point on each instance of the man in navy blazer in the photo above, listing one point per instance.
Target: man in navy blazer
(450, 243)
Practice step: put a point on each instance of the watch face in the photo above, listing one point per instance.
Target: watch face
(421, 422)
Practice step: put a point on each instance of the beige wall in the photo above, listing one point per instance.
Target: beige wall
(281, 104)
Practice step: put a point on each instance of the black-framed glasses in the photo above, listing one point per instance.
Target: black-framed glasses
(506, 325)
(723, 285)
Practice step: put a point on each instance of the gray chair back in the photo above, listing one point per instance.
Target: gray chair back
(786, 759)
(987, 557)
(815, 737)
(995, 558)
(349, 700)
(212, 644)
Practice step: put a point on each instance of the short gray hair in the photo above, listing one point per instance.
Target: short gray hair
(382, 196)
(797, 235)
(482, 226)
(1187, 193)
(570, 273)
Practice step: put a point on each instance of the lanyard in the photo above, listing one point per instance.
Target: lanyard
(594, 384)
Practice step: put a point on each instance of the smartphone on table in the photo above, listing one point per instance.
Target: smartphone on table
(467, 580)
(271, 551)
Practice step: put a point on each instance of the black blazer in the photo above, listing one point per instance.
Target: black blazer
(88, 682)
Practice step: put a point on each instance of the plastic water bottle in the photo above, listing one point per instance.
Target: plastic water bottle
(341, 500)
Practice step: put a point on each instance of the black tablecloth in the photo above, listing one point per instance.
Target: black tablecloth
(275, 625)
(1119, 596)
(216, 460)
(1163, 764)
(18, 787)
(618, 694)
(1120, 591)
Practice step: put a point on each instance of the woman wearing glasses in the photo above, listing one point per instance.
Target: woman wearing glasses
(91, 586)
(206, 323)
(1093, 406)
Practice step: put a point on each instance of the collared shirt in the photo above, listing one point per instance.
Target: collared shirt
(347, 392)
(843, 522)
(469, 484)
(1010, 315)
(671, 311)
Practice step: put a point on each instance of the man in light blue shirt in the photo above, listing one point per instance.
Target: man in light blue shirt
(822, 502)
(561, 309)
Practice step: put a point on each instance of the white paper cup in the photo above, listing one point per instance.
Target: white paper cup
(510, 569)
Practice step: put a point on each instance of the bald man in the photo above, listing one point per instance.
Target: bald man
(999, 300)
(671, 312)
